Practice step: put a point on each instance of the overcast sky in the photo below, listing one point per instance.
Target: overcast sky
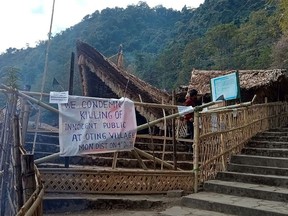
(27, 21)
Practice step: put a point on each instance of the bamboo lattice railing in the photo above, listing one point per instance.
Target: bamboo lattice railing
(224, 132)
(85, 180)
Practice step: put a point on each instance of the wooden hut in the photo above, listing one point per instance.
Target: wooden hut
(100, 77)
(270, 83)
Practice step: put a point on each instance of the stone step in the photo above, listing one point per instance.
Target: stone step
(260, 160)
(275, 152)
(43, 137)
(265, 170)
(274, 133)
(185, 211)
(266, 137)
(271, 180)
(266, 144)
(282, 129)
(247, 190)
(230, 204)
(45, 147)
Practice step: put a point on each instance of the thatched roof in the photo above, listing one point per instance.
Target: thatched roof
(249, 79)
(93, 63)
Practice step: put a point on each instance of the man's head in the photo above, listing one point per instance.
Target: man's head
(193, 93)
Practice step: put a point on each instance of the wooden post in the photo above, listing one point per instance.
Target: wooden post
(71, 79)
(29, 181)
(17, 164)
(196, 150)
(25, 121)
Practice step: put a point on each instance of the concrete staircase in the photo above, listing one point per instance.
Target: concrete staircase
(255, 183)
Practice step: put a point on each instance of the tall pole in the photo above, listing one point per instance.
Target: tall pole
(44, 76)
(71, 79)
(173, 134)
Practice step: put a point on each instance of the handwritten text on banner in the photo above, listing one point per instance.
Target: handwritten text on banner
(96, 125)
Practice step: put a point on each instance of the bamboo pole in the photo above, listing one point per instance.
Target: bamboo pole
(164, 141)
(25, 120)
(145, 154)
(150, 136)
(196, 150)
(12, 208)
(142, 164)
(173, 135)
(6, 152)
(37, 120)
(114, 163)
(29, 182)
(17, 165)
(223, 150)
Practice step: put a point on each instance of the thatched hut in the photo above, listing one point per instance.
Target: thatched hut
(270, 83)
(100, 77)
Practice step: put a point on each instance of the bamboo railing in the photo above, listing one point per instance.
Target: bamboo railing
(219, 134)
(34, 204)
(22, 189)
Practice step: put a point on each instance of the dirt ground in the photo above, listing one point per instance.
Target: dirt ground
(118, 212)
(110, 212)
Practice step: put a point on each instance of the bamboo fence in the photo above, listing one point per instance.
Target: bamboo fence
(223, 133)
(20, 181)
(219, 134)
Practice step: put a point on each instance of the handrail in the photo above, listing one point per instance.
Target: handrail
(225, 131)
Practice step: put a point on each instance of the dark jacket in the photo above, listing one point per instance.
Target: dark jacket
(190, 102)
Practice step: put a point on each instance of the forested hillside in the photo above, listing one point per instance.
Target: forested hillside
(161, 45)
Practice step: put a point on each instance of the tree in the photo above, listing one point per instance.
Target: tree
(10, 76)
(284, 16)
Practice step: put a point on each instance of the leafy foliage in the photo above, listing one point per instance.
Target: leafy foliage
(162, 45)
(10, 76)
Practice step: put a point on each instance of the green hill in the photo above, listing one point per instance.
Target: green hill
(160, 45)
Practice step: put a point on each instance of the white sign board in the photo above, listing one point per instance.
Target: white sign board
(96, 125)
(58, 97)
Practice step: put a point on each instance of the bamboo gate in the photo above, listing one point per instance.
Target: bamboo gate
(219, 133)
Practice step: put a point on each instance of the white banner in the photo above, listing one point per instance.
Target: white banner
(183, 110)
(96, 125)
